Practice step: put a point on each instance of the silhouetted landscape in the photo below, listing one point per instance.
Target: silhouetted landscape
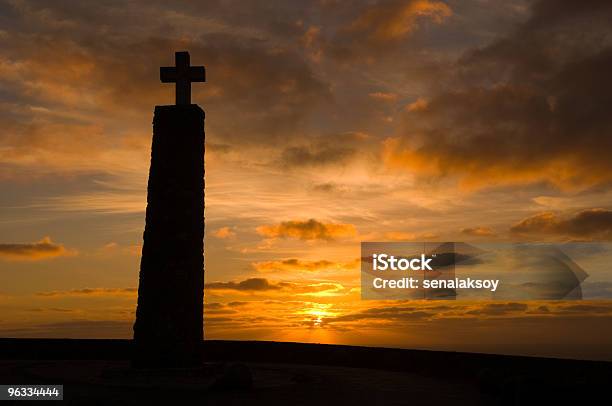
(268, 373)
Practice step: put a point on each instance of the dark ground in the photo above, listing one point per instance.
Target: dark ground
(98, 372)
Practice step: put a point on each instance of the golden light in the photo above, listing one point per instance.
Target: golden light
(315, 313)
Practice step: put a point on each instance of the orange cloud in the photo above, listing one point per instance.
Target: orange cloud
(310, 41)
(477, 167)
(374, 30)
(297, 265)
(113, 248)
(478, 231)
(224, 233)
(307, 230)
(406, 236)
(383, 96)
(393, 20)
(419, 104)
(494, 124)
(42, 249)
(252, 285)
(320, 289)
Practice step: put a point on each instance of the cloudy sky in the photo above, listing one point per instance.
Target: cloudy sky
(327, 123)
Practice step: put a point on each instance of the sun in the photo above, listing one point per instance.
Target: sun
(315, 313)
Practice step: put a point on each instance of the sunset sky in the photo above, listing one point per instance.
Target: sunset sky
(328, 123)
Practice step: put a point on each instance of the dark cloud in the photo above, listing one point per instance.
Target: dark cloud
(237, 304)
(326, 187)
(515, 113)
(498, 309)
(251, 284)
(307, 230)
(540, 310)
(208, 311)
(214, 306)
(62, 55)
(42, 249)
(91, 292)
(272, 90)
(465, 313)
(74, 329)
(395, 314)
(590, 224)
(588, 308)
(372, 29)
(264, 285)
(318, 156)
(333, 149)
(218, 148)
(86, 68)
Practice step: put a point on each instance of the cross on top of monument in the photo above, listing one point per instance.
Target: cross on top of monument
(182, 74)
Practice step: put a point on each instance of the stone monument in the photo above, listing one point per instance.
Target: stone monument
(169, 318)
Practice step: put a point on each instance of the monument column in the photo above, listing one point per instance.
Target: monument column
(169, 318)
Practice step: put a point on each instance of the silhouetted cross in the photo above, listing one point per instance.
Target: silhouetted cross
(182, 75)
